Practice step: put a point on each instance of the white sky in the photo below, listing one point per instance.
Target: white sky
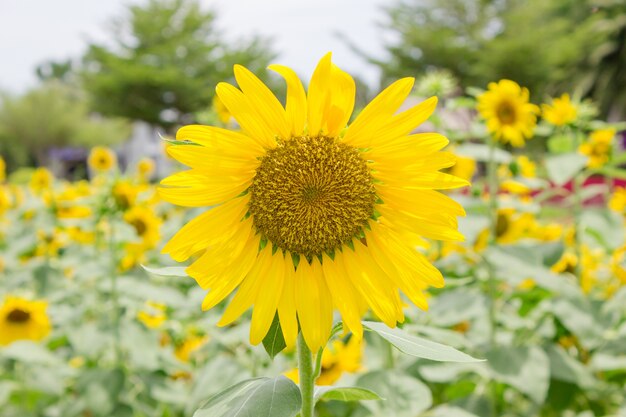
(33, 31)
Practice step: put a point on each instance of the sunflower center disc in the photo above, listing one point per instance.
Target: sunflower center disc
(18, 316)
(506, 113)
(311, 195)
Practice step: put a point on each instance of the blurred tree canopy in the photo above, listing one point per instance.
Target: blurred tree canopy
(547, 45)
(54, 114)
(166, 58)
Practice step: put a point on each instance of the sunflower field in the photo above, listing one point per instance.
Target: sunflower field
(437, 250)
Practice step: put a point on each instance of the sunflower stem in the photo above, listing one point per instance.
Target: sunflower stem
(114, 293)
(493, 186)
(305, 371)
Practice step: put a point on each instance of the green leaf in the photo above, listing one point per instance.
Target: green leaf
(274, 342)
(404, 395)
(345, 394)
(525, 368)
(416, 346)
(260, 397)
(565, 368)
(562, 168)
(167, 271)
(29, 352)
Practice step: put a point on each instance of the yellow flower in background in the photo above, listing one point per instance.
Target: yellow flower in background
(3, 169)
(153, 315)
(6, 199)
(66, 204)
(190, 345)
(145, 168)
(222, 111)
(598, 147)
(567, 263)
(337, 359)
(312, 215)
(509, 115)
(41, 180)
(101, 159)
(527, 167)
(49, 243)
(618, 264)
(146, 224)
(560, 112)
(22, 319)
(125, 194)
(617, 201)
(464, 168)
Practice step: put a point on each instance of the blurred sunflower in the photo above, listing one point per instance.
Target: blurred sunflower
(312, 215)
(598, 147)
(191, 344)
(339, 358)
(124, 194)
(41, 180)
(22, 319)
(145, 168)
(3, 169)
(153, 315)
(617, 202)
(6, 200)
(146, 224)
(101, 159)
(560, 112)
(509, 115)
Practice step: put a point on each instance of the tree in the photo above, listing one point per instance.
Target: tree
(166, 59)
(539, 43)
(52, 115)
(604, 75)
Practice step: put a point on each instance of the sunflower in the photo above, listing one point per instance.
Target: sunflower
(185, 351)
(311, 214)
(3, 169)
(560, 112)
(101, 159)
(598, 147)
(153, 315)
(145, 168)
(145, 223)
(509, 115)
(22, 319)
(41, 180)
(124, 194)
(341, 357)
(617, 201)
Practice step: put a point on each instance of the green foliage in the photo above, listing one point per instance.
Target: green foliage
(166, 59)
(52, 115)
(481, 41)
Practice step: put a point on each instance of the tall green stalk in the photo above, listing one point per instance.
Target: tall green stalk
(114, 293)
(307, 377)
(492, 178)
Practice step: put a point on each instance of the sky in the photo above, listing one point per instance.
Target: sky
(34, 31)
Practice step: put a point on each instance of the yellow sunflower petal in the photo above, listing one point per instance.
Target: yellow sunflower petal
(263, 100)
(318, 98)
(195, 189)
(343, 94)
(314, 304)
(377, 113)
(267, 298)
(343, 293)
(296, 105)
(287, 305)
(244, 112)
